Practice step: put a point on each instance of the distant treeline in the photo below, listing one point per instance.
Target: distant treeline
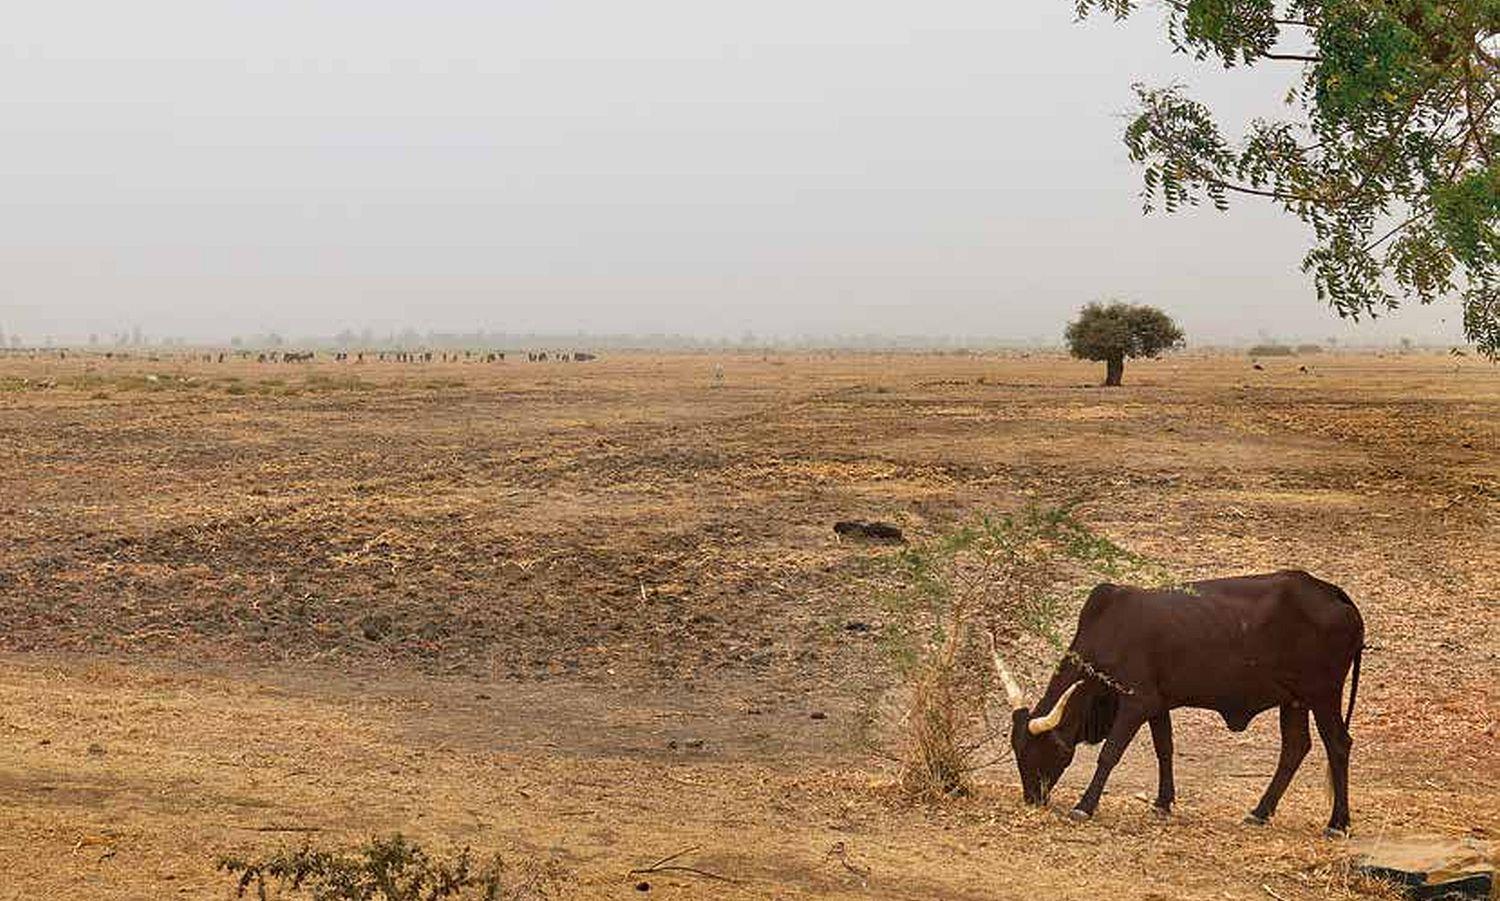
(484, 341)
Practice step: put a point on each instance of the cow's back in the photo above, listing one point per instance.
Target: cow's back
(1237, 645)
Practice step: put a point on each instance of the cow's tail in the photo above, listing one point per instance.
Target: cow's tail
(1358, 652)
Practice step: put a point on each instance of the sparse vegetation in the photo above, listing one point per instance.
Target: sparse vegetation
(563, 574)
(1271, 350)
(318, 381)
(1014, 576)
(389, 869)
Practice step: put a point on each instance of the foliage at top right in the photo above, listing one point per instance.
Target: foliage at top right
(1389, 152)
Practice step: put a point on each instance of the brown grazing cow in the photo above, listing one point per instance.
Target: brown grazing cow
(1237, 646)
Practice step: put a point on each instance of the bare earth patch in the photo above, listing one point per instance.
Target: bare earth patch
(597, 613)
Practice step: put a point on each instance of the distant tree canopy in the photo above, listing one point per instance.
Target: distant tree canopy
(1390, 152)
(1109, 333)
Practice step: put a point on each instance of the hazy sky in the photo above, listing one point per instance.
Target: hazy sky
(205, 168)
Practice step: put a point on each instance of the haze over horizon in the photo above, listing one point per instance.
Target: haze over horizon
(663, 167)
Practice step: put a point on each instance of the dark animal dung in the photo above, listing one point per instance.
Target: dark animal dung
(860, 530)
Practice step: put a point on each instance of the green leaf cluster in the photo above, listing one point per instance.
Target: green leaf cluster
(1020, 571)
(1389, 151)
(1117, 331)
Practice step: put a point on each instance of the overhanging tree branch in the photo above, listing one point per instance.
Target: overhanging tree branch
(1399, 100)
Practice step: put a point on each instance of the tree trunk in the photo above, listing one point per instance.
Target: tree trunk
(1114, 367)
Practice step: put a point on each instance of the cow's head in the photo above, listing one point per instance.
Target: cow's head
(1042, 751)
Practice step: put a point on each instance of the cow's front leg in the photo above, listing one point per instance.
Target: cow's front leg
(1127, 723)
(1161, 739)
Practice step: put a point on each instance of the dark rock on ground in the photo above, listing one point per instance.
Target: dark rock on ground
(1429, 867)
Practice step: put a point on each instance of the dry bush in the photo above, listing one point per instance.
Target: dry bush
(939, 718)
(1014, 576)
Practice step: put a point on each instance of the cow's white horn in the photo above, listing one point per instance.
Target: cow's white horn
(1013, 695)
(1040, 724)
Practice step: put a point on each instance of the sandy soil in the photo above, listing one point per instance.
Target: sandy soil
(586, 613)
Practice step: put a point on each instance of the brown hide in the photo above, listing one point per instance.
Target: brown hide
(1238, 646)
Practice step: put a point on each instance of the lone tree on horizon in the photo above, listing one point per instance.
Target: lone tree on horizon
(1111, 332)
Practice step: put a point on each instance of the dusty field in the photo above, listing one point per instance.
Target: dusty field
(501, 604)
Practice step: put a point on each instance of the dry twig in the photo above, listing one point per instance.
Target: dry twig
(665, 865)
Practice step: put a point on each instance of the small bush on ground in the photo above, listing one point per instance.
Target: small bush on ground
(1013, 577)
(389, 869)
(319, 381)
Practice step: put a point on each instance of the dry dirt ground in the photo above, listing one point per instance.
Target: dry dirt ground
(589, 615)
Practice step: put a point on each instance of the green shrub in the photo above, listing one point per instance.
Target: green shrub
(389, 869)
(1014, 576)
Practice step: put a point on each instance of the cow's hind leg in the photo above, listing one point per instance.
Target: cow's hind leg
(1336, 742)
(1295, 741)
(1161, 739)
(1127, 722)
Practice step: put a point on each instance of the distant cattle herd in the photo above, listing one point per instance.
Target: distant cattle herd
(307, 356)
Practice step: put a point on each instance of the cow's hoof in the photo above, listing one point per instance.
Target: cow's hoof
(1253, 820)
(1079, 816)
(1332, 832)
(1162, 813)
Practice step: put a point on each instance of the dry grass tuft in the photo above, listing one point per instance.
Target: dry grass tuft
(941, 750)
